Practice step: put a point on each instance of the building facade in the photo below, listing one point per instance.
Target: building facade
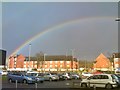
(116, 61)
(59, 63)
(102, 63)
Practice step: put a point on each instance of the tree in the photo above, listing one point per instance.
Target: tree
(40, 59)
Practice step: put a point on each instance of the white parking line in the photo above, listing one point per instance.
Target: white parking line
(67, 83)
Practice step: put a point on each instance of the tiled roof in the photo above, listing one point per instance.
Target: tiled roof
(102, 62)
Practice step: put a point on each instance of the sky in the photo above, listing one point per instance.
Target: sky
(58, 28)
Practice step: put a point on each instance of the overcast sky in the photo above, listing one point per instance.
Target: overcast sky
(88, 28)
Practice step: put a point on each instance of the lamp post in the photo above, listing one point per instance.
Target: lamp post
(114, 63)
(118, 20)
(65, 63)
(29, 55)
(72, 58)
(44, 61)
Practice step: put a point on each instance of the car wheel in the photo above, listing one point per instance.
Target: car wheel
(65, 78)
(25, 81)
(50, 79)
(84, 85)
(10, 80)
(109, 86)
(41, 81)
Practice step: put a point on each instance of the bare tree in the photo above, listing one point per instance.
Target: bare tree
(40, 59)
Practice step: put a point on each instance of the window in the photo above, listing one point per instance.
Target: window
(50, 62)
(45, 62)
(96, 77)
(104, 77)
(55, 65)
(50, 65)
(56, 61)
(61, 61)
(35, 62)
(68, 62)
(61, 65)
(24, 65)
(68, 65)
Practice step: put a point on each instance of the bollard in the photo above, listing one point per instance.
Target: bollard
(94, 87)
(16, 83)
(35, 85)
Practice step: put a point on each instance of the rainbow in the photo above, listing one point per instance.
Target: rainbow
(56, 27)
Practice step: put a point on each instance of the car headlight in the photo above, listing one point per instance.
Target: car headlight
(29, 78)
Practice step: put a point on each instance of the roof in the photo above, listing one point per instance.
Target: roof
(52, 58)
(102, 62)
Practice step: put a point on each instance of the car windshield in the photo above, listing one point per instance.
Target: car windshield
(115, 76)
(32, 74)
(53, 73)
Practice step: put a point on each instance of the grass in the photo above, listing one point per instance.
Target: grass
(4, 78)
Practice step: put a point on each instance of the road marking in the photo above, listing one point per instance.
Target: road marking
(67, 83)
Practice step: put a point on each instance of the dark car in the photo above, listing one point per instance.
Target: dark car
(61, 77)
(67, 76)
(76, 76)
(118, 75)
(20, 77)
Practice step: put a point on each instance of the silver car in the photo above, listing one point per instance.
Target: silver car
(51, 77)
(101, 80)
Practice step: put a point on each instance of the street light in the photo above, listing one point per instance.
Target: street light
(72, 58)
(29, 55)
(65, 63)
(44, 62)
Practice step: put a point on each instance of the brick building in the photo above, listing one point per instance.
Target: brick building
(102, 63)
(16, 62)
(47, 63)
(116, 61)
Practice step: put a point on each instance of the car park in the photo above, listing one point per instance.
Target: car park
(101, 80)
(20, 77)
(51, 77)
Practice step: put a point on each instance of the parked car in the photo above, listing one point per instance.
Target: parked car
(61, 77)
(39, 78)
(101, 80)
(75, 76)
(118, 75)
(51, 77)
(20, 77)
(86, 74)
(67, 76)
(3, 72)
